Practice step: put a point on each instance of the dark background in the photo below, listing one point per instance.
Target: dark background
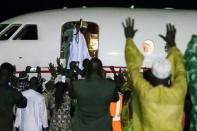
(11, 8)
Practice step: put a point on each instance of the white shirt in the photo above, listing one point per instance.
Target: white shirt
(34, 116)
(78, 49)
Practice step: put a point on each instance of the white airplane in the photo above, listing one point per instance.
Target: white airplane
(36, 38)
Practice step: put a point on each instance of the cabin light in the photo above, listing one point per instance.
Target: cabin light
(132, 6)
(83, 6)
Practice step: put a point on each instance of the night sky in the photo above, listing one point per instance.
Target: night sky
(11, 8)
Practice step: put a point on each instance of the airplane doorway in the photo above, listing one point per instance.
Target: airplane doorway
(90, 31)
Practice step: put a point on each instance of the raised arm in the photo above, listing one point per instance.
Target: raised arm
(133, 56)
(178, 75)
(170, 37)
(174, 54)
(52, 70)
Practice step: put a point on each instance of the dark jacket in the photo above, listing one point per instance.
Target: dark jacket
(8, 98)
(93, 98)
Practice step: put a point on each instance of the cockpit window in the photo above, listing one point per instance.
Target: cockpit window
(9, 32)
(3, 26)
(28, 32)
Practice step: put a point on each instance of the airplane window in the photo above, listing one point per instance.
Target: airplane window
(9, 32)
(3, 26)
(28, 32)
(148, 47)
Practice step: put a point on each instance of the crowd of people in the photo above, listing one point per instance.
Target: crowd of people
(85, 99)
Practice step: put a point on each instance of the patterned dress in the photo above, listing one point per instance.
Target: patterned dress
(190, 65)
(61, 119)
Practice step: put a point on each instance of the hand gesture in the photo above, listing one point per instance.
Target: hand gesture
(58, 61)
(60, 70)
(52, 70)
(170, 36)
(129, 28)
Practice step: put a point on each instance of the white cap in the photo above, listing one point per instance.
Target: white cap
(161, 68)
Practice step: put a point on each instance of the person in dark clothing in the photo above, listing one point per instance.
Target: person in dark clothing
(11, 70)
(14, 82)
(8, 98)
(8, 67)
(34, 83)
(74, 70)
(188, 110)
(118, 78)
(85, 67)
(40, 80)
(93, 96)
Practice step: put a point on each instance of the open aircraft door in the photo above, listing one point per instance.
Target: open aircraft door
(90, 30)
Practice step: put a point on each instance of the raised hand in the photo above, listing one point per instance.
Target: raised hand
(60, 68)
(129, 28)
(58, 61)
(52, 70)
(170, 36)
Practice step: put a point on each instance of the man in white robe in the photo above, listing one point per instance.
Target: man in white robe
(78, 49)
(34, 116)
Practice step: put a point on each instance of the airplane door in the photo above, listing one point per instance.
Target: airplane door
(90, 30)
